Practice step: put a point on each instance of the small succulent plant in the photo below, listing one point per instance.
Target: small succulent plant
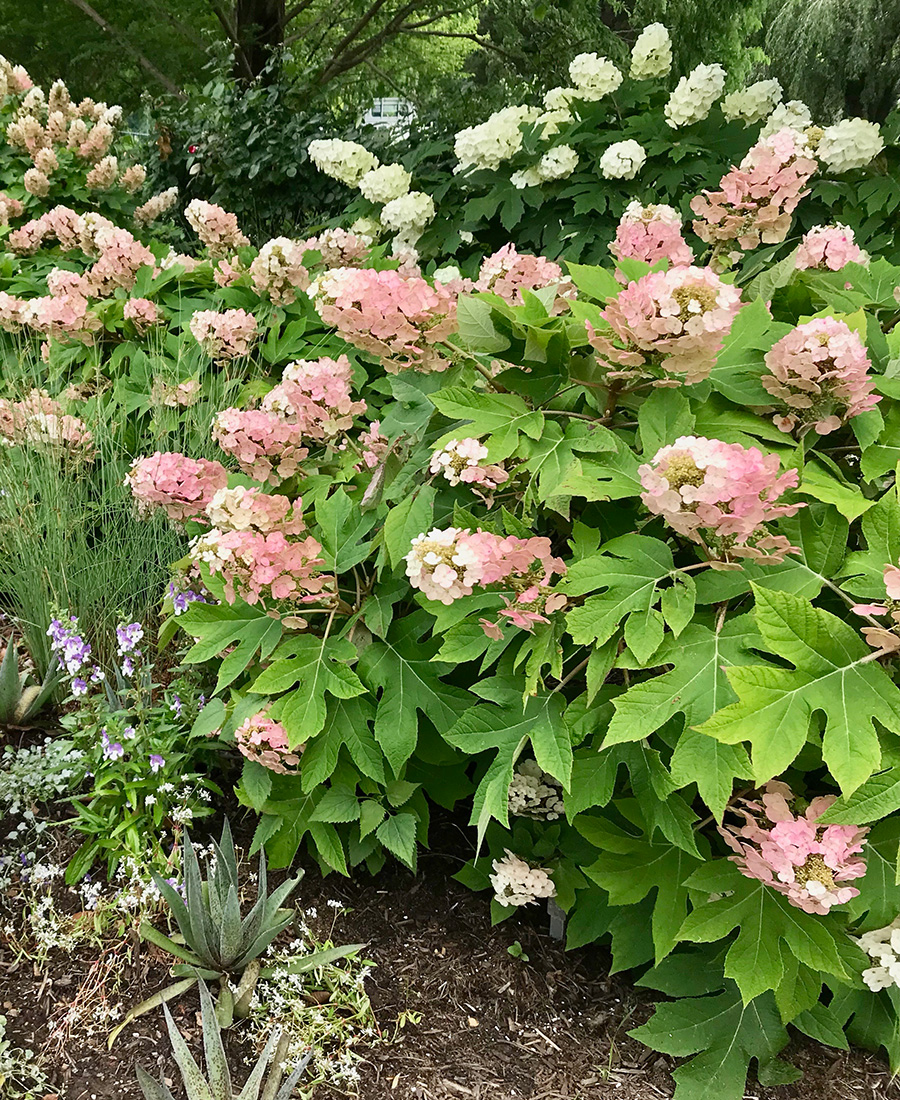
(20, 700)
(266, 1080)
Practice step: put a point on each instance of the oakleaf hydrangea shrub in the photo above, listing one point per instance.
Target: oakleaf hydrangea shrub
(557, 176)
(604, 557)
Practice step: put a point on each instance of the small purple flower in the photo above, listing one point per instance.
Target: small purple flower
(79, 687)
(128, 636)
(97, 674)
(111, 750)
(176, 705)
(129, 733)
(182, 600)
(127, 666)
(156, 762)
(201, 702)
(74, 651)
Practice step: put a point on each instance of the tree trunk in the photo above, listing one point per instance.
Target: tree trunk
(259, 28)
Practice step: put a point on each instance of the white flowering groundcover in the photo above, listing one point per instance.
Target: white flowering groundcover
(605, 556)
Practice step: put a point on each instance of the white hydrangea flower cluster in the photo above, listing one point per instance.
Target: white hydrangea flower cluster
(384, 184)
(754, 103)
(622, 160)
(516, 882)
(560, 99)
(409, 214)
(882, 945)
(558, 163)
(651, 56)
(695, 95)
(347, 161)
(594, 77)
(490, 143)
(535, 793)
(527, 177)
(793, 115)
(440, 568)
(550, 122)
(850, 143)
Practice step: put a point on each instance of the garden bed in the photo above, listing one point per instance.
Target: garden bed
(458, 1015)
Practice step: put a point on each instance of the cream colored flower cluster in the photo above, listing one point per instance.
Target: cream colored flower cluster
(535, 793)
(516, 882)
(695, 95)
(651, 56)
(754, 103)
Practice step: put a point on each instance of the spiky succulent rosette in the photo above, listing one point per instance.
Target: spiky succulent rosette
(669, 325)
(720, 495)
(819, 376)
(807, 862)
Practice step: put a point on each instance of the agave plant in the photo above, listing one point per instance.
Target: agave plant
(20, 700)
(217, 941)
(216, 1083)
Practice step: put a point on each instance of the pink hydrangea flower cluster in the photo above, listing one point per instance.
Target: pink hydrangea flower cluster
(142, 313)
(157, 205)
(507, 273)
(278, 270)
(651, 233)
(12, 312)
(829, 248)
(339, 247)
(9, 208)
(181, 486)
(720, 495)
(60, 224)
(259, 565)
(121, 257)
(668, 324)
(403, 321)
(230, 334)
(316, 395)
(374, 446)
(217, 229)
(267, 447)
(175, 394)
(460, 462)
(63, 316)
(756, 200)
(446, 565)
(39, 420)
(262, 739)
(884, 637)
(807, 862)
(243, 509)
(819, 374)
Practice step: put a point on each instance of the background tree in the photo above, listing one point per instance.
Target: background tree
(841, 57)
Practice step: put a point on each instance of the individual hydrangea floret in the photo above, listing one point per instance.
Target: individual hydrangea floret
(223, 336)
(668, 324)
(622, 160)
(217, 229)
(651, 55)
(181, 486)
(346, 161)
(508, 272)
(384, 184)
(753, 103)
(516, 882)
(266, 446)
(535, 793)
(651, 233)
(720, 495)
(807, 862)
(755, 202)
(315, 394)
(264, 740)
(819, 375)
(829, 248)
(594, 77)
(460, 462)
(694, 95)
(278, 271)
(403, 320)
(850, 143)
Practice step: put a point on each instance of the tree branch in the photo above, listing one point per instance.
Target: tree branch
(117, 35)
(231, 33)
